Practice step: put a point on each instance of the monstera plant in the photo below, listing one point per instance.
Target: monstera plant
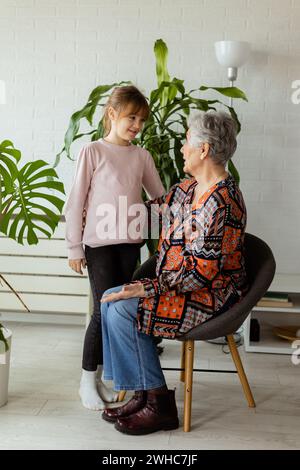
(28, 205)
(164, 132)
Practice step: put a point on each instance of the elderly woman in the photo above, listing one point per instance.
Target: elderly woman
(200, 274)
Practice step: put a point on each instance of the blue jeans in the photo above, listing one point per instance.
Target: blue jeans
(130, 358)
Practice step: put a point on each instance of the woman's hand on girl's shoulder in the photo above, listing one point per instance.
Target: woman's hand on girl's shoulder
(77, 264)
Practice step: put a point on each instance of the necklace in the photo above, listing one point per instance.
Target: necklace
(198, 193)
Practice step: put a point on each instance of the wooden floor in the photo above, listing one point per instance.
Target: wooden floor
(44, 411)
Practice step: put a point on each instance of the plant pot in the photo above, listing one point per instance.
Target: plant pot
(4, 367)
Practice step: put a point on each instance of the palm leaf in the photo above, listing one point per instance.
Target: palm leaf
(8, 147)
(22, 219)
(8, 167)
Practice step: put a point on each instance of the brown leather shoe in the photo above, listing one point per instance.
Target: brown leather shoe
(136, 403)
(159, 413)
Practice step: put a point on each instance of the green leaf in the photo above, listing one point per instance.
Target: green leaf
(48, 173)
(235, 117)
(100, 91)
(179, 84)
(31, 236)
(179, 157)
(58, 203)
(233, 171)
(231, 92)
(6, 218)
(99, 131)
(7, 180)
(73, 127)
(161, 55)
(18, 217)
(3, 339)
(14, 226)
(8, 167)
(31, 167)
(78, 136)
(7, 147)
(49, 185)
(6, 143)
(20, 238)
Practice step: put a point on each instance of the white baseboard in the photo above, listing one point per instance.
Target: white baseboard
(59, 319)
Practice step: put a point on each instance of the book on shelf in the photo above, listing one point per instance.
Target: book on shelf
(276, 296)
(274, 303)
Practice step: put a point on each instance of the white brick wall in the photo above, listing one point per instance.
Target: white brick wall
(53, 52)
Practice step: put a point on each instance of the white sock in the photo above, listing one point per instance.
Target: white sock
(88, 391)
(107, 395)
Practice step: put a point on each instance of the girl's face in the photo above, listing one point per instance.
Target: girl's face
(127, 124)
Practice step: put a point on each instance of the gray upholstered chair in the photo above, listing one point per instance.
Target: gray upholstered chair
(260, 267)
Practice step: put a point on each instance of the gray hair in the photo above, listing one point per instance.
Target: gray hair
(218, 129)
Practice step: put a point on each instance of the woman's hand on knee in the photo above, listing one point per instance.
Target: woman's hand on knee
(128, 291)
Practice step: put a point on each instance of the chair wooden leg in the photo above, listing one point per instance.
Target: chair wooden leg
(189, 365)
(182, 363)
(121, 395)
(240, 369)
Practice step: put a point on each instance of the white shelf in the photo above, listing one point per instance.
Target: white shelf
(269, 342)
(295, 298)
(269, 317)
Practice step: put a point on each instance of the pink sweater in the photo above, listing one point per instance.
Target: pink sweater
(104, 172)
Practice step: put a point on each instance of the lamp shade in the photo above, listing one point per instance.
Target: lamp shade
(232, 53)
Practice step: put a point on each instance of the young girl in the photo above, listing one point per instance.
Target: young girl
(106, 170)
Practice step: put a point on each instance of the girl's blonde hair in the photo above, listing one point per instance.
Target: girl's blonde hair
(125, 97)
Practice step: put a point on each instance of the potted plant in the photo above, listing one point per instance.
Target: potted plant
(165, 130)
(27, 207)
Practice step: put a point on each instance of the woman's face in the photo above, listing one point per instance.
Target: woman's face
(191, 156)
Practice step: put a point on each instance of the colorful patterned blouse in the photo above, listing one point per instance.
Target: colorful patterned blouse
(201, 271)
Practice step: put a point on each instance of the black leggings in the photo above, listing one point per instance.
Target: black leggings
(108, 266)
